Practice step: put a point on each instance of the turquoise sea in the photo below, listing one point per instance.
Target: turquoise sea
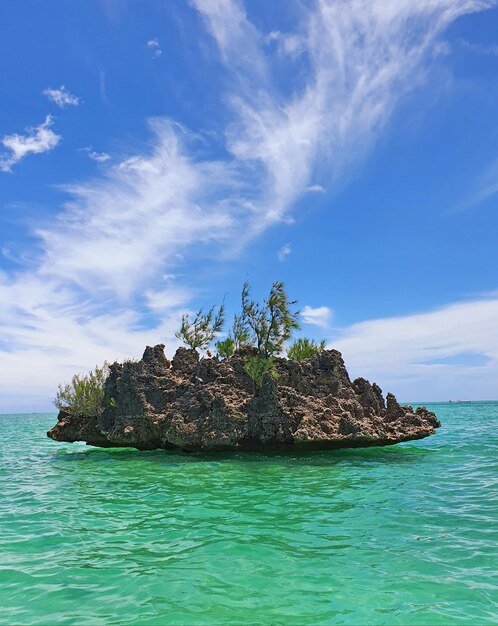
(399, 535)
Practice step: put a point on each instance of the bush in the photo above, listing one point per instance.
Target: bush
(304, 349)
(225, 348)
(203, 329)
(258, 367)
(84, 394)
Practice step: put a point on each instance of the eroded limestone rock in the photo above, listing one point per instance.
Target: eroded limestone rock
(206, 404)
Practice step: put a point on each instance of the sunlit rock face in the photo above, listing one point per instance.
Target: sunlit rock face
(205, 404)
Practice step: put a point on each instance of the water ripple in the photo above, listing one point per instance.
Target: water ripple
(397, 535)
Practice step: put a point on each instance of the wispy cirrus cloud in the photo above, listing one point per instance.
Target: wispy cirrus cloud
(36, 140)
(361, 58)
(479, 48)
(288, 45)
(61, 97)
(485, 187)
(119, 230)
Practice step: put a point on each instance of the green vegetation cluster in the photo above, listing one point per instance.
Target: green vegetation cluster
(259, 329)
(265, 327)
(305, 348)
(84, 395)
(200, 332)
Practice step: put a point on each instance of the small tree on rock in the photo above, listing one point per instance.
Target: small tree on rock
(272, 322)
(241, 331)
(200, 332)
(269, 326)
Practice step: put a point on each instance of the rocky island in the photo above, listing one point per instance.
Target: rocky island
(248, 397)
(208, 404)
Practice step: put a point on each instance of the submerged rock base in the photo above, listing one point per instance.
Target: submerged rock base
(208, 404)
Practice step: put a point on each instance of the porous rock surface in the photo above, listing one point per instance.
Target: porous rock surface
(206, 404)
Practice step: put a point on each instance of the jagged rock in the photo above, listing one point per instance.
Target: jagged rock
(155, 358)
(370, 397)
(394, 411)
(208, 404)
(185, 361)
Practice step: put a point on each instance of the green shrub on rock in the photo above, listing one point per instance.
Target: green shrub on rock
(84, 394)
(264, 327)
(225, 348)
(304, 349)
(258, 367)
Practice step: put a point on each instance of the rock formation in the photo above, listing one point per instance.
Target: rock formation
(206, 404)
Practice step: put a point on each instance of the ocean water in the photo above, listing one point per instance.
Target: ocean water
(406, 534)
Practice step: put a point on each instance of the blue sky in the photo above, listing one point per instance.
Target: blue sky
(154, 154)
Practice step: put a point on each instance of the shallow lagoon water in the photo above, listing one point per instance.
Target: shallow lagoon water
(406, 534)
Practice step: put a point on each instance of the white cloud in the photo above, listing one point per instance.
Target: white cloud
(104, 96)
(61, 97)
(47, 334)
(485, 187)
(36, 141)
(284, 252)
(167, 299)
(360, 58)
(153, 44)
(416, 355)
(100, 157)
(238, 40)
(288, 45)
(482, 49)
(315, 189)
(121, 229)
(318, 316)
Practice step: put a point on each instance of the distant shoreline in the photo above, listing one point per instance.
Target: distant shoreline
(410, 402)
